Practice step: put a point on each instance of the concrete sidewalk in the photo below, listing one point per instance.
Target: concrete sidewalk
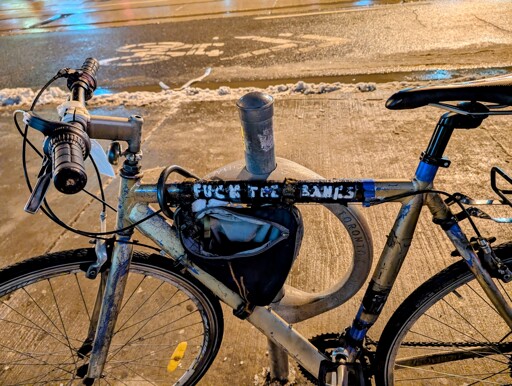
(342, 134)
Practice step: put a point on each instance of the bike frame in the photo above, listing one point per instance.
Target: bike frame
(135, 199)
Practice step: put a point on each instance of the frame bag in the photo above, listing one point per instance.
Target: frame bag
(250, 250)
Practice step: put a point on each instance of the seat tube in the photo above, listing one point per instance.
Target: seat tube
(400, 237)
(116, 282)
(431, 160)
(386, 271)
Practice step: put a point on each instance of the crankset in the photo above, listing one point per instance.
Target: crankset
(360, 373)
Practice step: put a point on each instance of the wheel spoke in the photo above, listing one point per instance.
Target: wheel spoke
(465, 320)
(448, 332)
(71, 349)
(46, 312)
(490, 375)
(42, 311)
(82, 297)
(448, 356)
(147, 318)
(489, 304)
(127, 301)
(36, 326)
(441, 374)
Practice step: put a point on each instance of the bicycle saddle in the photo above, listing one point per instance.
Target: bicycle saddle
(494, 90)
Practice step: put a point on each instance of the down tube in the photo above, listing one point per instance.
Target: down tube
(386, 272)
(263, 318)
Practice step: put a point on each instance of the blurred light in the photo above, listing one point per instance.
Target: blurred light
(102, 91)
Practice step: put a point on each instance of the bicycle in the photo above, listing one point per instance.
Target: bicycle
(164, 324)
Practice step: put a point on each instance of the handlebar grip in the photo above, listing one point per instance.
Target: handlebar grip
(68, 147)
(85, 77)
(90, 66)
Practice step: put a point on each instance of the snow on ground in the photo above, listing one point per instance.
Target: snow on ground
(22, 97)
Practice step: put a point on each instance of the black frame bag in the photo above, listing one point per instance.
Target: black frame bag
(250, 250)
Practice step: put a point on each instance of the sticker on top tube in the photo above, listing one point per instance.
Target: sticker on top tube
(337, 191)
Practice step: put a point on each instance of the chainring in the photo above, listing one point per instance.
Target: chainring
(327, 342)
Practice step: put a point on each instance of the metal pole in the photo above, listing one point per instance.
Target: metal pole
(256, 111)
(278, 362)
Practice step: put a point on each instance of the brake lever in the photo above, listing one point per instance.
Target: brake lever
(39, 192)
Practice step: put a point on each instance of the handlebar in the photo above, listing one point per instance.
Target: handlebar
(67, 144)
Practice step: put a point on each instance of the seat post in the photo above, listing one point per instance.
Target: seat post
(439, 140)
(432, 158)
(445, 126)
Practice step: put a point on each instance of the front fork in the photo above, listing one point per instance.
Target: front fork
(111, 291)
(110, 306)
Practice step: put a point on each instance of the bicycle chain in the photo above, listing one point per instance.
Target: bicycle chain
(452, 344)
(372, 342)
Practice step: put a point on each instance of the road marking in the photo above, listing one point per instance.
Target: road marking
(153, 52)
(149, 53)
(359, 9)
(294, 15)
(303, 43)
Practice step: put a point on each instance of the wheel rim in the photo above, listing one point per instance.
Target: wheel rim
(458, 340)
(45, 323)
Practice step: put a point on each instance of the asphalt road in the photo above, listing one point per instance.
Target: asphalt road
(359, 43)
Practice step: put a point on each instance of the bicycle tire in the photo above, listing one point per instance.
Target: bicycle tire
(447, 333)
(45, 308)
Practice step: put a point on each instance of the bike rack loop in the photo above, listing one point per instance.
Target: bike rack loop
(293, 304)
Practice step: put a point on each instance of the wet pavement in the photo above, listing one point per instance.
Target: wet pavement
(343, 134)
(35, 16)
(381, 42)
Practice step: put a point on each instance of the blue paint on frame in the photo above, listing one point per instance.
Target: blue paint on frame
(404, 212)
(426, 172)
(369, 191)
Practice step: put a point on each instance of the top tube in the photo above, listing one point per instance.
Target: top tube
(365, 191)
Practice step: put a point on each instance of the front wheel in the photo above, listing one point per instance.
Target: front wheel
(168, 332)
(448, 333)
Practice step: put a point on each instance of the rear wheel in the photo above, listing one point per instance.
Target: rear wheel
(45, 311)
(448, 333)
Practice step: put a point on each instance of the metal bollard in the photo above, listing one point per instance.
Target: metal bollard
(256, 110)
(279, 370)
